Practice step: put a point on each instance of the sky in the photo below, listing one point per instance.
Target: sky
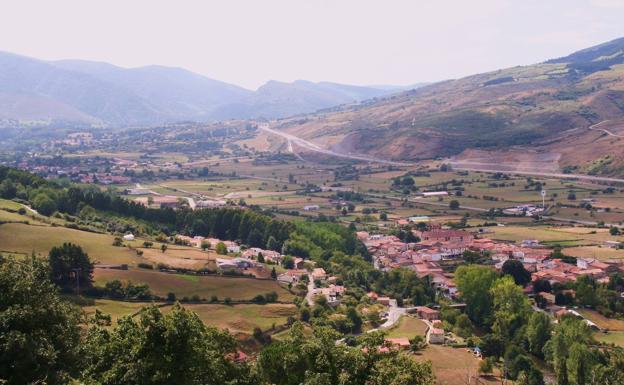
(248, 42)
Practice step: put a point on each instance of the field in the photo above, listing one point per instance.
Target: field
(242, 318)
(239, 318)
(453, 366)
(188, 285)
(616, 338)
(25, 239)
(116, 309)
(602, 321)
(408, 327)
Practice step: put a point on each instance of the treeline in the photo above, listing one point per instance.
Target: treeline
(45, 339)
(247, 226)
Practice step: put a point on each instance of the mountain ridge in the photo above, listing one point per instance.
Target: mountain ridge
(545, 107)
(99, 93)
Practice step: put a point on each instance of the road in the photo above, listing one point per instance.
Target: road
(313, 147)
(310, 293)
(596, 127)
(487, 167)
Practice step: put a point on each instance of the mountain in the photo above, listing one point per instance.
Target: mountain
(533, 114)
(94, 93)
(279, 99)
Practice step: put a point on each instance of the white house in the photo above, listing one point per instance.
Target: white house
(128, 237)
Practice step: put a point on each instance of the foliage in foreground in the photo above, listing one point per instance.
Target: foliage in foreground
(41, 342)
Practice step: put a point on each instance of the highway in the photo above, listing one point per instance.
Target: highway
(291, 139)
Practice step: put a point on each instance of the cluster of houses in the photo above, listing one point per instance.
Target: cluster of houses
(438, 245)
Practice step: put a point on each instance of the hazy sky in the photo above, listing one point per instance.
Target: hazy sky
(248, 42)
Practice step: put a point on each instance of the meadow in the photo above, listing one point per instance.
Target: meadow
(205, 287)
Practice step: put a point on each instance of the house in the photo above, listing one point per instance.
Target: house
(397, 343)
(436, 336)
(384, 300)
(319, 274)
(298, 262)
(210, 204)
(332, 293)
(427, 313)
(234, 263)
(311, 207)
(440, 235)
(530, 243)
(292, 276)
(128, 237)
(434, 193)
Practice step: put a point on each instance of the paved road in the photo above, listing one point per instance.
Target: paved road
(313, 147)
(463, 165)
(488, 167)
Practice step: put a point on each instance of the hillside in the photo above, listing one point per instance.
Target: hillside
(36, 92)
(546, 109)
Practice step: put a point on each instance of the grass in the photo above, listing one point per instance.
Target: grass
(452, 366)
(11, 205)
(116, 309)
(242, 318)
(602, 321)
(616, 338)
(187, 285)
(408, 327)
(24, 239)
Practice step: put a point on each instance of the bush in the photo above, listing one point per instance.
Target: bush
(143, 265)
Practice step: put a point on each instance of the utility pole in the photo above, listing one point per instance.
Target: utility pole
(544, 199)
(77, 271)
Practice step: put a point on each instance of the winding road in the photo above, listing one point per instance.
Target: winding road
(596, 127)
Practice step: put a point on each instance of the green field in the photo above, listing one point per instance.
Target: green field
(239, 318)
(189, 285)
(408, 327)
(243, 318)
(116, 309)
(611, 338)
(25, 239)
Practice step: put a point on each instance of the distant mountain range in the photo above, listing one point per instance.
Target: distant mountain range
(530, 115)
(82, 92)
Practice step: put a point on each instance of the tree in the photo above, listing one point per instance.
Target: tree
(272, 244)
(511, 307)
(538, 332)
(454, 204)
(417, 343)
(485, 366)
(171, 297)
(44, 204)
(156, 348)
(383, 216)
(7, 189)
(474, 283)
(572, 196)
(558, 350)
(39, 332)
(221, 248)
(273, 273)
(516, 269)
(69, 263)
(163, 247)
